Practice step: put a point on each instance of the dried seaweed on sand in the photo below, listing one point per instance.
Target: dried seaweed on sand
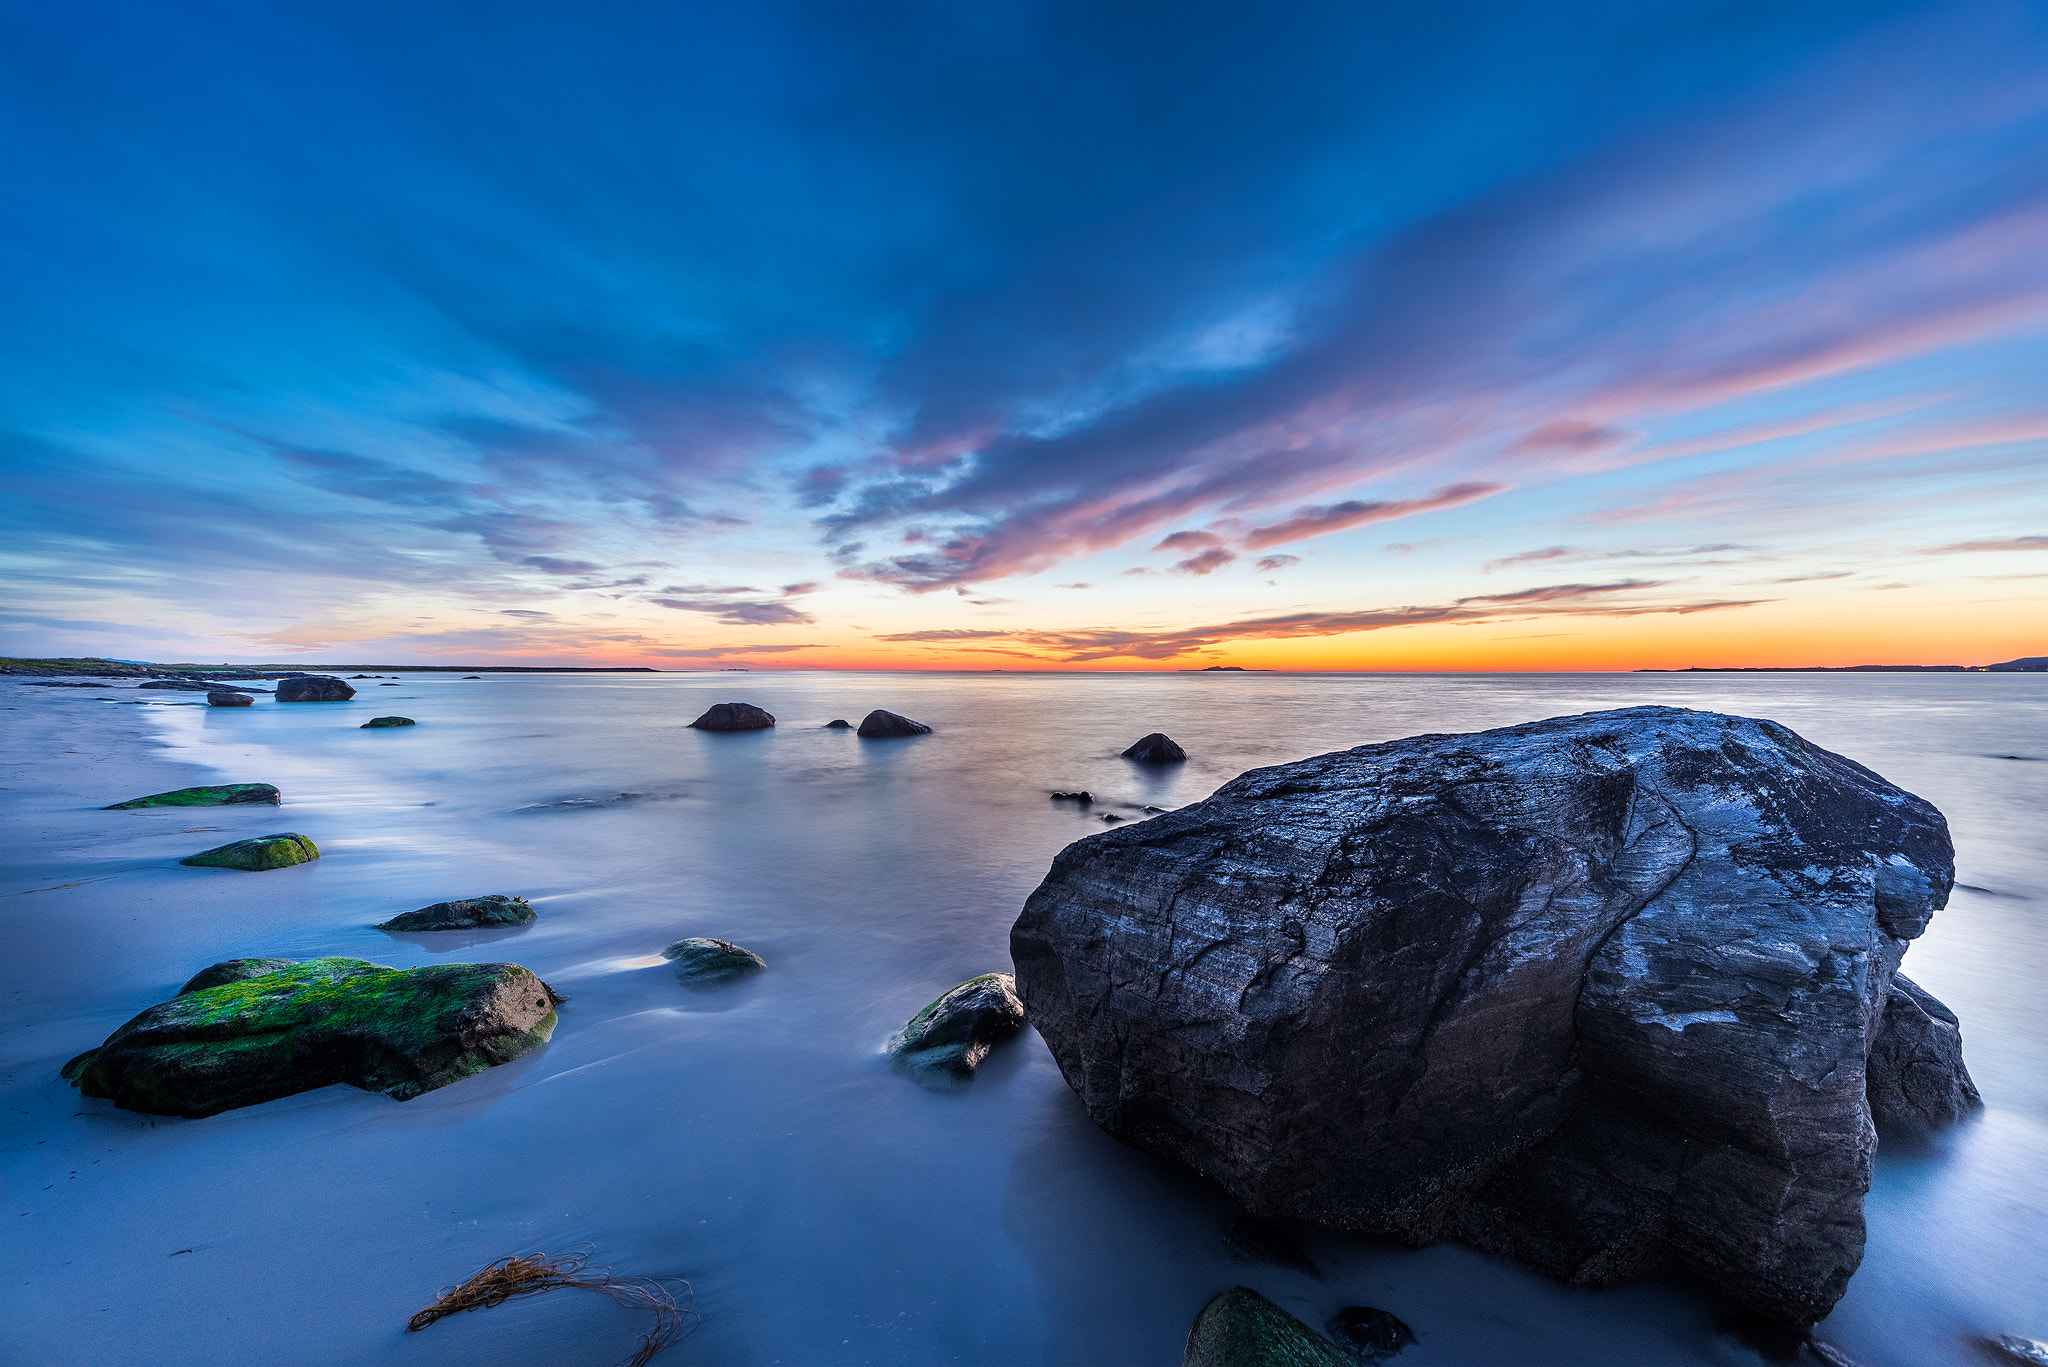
(532, 1274)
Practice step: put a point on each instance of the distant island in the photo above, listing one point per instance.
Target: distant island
(138, 669)
(2031, 664)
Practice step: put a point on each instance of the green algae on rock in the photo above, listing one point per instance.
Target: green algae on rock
(375, 723)
(705, 961)
(220, 795)
(232, 971)
(279, 851)
(1241, 1328)
(402, 1032)
(469, 913)
(944, 1043)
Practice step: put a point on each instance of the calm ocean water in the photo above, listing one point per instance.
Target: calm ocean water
(753, 1140)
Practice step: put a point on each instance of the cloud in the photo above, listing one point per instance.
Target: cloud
(523, 612)
(1187, 541)
(1208, 562)
(1530, 557)
(1082, 585)
(1308, 522)
(1573, 436)
(1269, 563)
(714, 652)
(550, 565)
(2009, 543)
(740, 614)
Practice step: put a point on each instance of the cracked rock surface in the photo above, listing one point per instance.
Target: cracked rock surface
(1608, 994)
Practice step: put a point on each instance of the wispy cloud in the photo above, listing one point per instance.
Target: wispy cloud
(2008, 543)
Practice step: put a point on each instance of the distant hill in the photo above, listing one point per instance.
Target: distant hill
(2031, 664)
(138, 669)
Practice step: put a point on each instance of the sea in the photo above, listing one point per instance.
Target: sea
(753, 1141)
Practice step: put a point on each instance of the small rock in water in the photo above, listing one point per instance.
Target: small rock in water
(264, 852)
(703, 961)
(1157, 748)
(220, 795)
(218, 699)
(1916, 1077)
(944, 1043)
(469, 913)
(1082, 796)
(467, 677)
(314, 688)
(1241, 1328)
(376, 722)
(880, 725)
(233, 971)
(2011, 1348)
(387, 685)
(1111, 816)
(313, 1024)
(734, 716)
(839, 724)
(1253, 1240)
(1370, 1335)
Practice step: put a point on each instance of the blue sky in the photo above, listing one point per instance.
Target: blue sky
(1337, 336)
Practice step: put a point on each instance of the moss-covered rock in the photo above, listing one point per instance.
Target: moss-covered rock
(397, 1031)
(944, 1043)
(701, 961)
(232, 971)
(220, 795)
(1241, 1328)
(377, 723)
(469, 913)
(279, 851)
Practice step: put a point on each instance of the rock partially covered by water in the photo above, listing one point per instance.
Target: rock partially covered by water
(219, 795)
(1369, 1335)
(1241, 1328)
(259, 854)
(314, 688)
(222, 699)
(400, 1032)
(944, 1043)
(702, 961)
(880, 725)
(468, 913)
(232, 971)
(734, 716)
(1157, 748)
(1917, 1079)
(378, 723)
(2014, 1350)
(839, 724)
(1595, 993)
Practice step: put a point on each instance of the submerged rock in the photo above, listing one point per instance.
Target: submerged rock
(469, 913)
(1367, 1334)
(944, 1043)
(1916, 1075)
(1253, 1240)
(880, 725)
(375, 723)
(1241, 1328)
(256, 855)
(217, 795)
(313, 1024)
(1082, 796)
(703, 961)
(734, 716)
(314, 688)
(1157, 748)
(1596, 992)
(387, 685)
(219, 699)
(232, 971)
(839, 724)
(2011, 1348)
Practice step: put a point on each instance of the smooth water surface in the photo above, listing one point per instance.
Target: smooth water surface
(753, 1139)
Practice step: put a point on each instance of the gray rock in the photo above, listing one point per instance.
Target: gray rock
(1241, 1328)
(880, 725)
(1367, 1334)
(232, 971)
(314, 688)
(381, 723)
(469, 913)
(1083, 795)
(2011, 1348)
(839, 724)
(1916, 1075)
(734, 716)
(701, 961)
(943, 1044)
(1157, 748)
(1595, 993)
(224, 699)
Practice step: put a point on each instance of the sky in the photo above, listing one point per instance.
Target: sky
(1024, 336)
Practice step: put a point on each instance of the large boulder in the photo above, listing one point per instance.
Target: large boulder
(1157, 748)
(397, 1031)
(314, 688)
(1241, 1328)
(219, 795)
(1917, 1078)
(258, 854)
(943, 1044)
(1597, 993)
(734, 716)
(493, 912)
(880, 725)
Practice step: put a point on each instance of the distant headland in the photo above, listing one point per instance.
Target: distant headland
(2031, 664)
(137, 669)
